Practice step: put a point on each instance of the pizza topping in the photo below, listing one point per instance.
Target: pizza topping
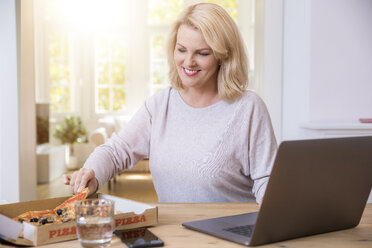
(59, 211)
(66, 220)
(43, 221)
(21, 220)
(34, 220)
(47, 219)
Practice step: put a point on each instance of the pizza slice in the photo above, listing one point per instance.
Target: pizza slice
(66, 210)
(37, 217)
(62, 213)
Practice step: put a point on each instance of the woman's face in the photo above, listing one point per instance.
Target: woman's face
(196, 65)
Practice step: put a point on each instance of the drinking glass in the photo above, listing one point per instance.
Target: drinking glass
(94, 222)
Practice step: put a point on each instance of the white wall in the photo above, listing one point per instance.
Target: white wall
(341, 60)
(17, 129)
(327, 63)
(269, 50)
(9, 138)
(27, 113)
(296, 66)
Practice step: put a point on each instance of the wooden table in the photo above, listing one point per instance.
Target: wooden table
(173, 234)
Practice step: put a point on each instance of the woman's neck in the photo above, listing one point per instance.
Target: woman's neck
(199, 98)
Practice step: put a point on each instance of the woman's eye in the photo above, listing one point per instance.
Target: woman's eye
(181, 50)
(204, 54)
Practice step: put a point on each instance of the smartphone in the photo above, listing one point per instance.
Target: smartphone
(139, 238)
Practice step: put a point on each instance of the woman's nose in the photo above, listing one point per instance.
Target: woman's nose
(190, 61)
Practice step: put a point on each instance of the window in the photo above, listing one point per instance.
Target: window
(59, 72)
(108, 58)
(110, 74)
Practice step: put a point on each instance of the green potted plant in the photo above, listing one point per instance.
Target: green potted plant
(72, 131)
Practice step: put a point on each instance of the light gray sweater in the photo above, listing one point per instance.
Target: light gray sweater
(220, 153)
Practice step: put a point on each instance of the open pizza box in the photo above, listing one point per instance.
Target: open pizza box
(133, 214)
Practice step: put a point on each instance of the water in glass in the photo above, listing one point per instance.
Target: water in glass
(95, 231)
(94, 222)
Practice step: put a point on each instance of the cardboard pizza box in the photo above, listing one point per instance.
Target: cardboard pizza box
(133, 214)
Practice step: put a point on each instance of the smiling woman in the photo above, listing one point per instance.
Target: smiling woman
(207, 138)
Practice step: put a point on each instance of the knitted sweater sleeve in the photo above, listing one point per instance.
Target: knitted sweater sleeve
(262, 149)
(124, 149)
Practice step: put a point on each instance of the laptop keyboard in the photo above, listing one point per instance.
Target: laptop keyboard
(246, 230)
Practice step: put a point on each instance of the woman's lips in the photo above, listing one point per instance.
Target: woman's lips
(189, 72)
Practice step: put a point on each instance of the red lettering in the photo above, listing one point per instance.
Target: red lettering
(136, 219)
(65, 232)
(130, 220)
(62, 232)
(52, 233)
(134, 234)
(143, 218)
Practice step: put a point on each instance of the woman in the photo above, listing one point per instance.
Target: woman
(207, 138)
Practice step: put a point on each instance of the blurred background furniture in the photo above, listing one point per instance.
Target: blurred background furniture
(50, 159)
(50, 162)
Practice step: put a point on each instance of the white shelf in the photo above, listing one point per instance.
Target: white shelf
(337, 126)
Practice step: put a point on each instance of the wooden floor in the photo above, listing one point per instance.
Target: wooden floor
(136, 186)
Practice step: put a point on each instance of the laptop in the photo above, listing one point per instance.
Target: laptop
(316, 186)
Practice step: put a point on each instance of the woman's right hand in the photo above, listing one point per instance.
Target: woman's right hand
(81, 179)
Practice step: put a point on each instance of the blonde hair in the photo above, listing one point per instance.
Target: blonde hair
(222, 35)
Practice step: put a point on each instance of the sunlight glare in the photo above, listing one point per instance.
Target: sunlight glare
(92, 15)
(137, 176)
